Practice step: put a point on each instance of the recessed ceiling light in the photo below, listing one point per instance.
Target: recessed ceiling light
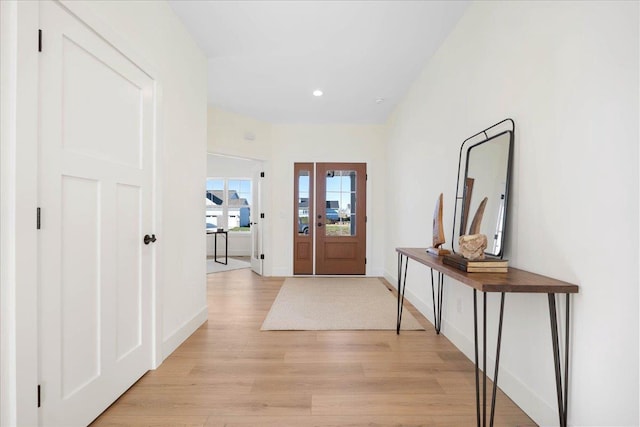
(379, 100)
(317, 92)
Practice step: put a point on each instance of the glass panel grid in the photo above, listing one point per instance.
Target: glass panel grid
(303, 203)
(340, 210)
(228, 204)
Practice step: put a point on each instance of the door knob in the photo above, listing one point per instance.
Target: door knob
(149, 239)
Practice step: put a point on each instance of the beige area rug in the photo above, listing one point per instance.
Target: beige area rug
(314, 304)
(232, 264)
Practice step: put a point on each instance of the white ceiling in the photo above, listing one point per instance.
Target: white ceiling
(267, 57)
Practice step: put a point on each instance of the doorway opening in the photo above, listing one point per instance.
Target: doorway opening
(233, 213)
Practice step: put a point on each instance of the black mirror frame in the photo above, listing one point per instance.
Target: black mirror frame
(467, 145)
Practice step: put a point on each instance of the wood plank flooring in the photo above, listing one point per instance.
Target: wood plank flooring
(229, 373)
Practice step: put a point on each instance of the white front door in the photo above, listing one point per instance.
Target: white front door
(95, 184)
(256, 224)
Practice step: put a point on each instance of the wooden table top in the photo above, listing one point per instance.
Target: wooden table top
(514, 280)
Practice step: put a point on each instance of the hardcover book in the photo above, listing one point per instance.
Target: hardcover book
(486, 265)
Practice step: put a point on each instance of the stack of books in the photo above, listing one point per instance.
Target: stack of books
(486, 265)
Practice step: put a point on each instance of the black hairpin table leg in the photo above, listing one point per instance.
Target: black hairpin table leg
(475, 342)
(481, 412)
(561, 394)
(437, 301)
(495, 372)
(402, 283)
(437, 295)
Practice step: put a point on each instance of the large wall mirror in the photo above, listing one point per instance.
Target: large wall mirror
(484, 169)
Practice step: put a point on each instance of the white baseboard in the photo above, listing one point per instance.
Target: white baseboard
(393, 280)
(376, 272)
(286, 273)
(238, 252)
(173, 341)
(530, 402)
(281, 272)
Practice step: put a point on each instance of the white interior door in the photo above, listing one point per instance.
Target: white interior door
(256, 224)
(95, 183)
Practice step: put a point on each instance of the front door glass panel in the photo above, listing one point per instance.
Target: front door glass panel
(341, 208)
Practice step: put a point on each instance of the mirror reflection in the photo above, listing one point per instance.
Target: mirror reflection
(484, 172)
(487, 169)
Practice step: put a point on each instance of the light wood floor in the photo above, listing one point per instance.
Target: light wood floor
(229, 373)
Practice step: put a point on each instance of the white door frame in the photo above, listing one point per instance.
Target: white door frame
(18, 177)
(265, 204)
(257, 233)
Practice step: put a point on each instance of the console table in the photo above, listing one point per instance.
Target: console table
(513, 281)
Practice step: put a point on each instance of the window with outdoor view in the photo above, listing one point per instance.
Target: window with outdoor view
(228, 204)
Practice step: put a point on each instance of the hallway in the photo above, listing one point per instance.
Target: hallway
(228, 373)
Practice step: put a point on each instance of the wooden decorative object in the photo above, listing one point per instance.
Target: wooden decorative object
(472, 245)
(468, 191)
(477, 218)
(438, 231)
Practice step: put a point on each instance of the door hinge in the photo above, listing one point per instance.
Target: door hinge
(261, 174)
(38, 395)
(261, 256)
(366, 218)
(39, 40)
(366, 177)
(38, 219)
(365, 260)
(262, 215)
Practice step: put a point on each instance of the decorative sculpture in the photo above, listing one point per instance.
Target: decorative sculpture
(473, 245)
(477, 218)
(468, 191)
(438, 231)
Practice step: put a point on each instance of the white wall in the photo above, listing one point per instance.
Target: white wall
(231, 167)
(567, 72)
(280, 146)
(227, 131)
(152, 32)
